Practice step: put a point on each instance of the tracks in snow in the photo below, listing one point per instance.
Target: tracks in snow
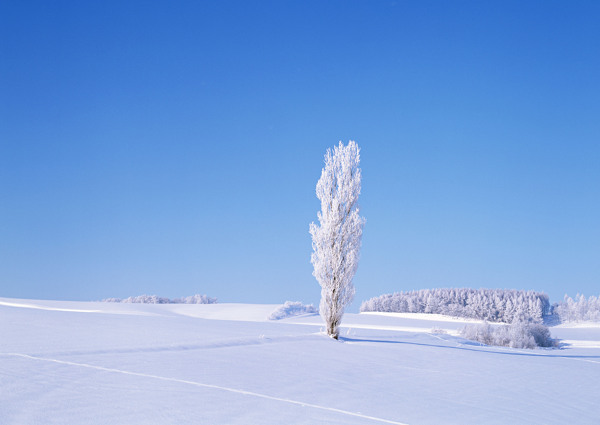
(203, 385)
(224, 343)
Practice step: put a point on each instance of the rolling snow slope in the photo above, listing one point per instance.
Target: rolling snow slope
(104, 363)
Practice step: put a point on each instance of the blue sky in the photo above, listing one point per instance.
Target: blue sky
(173, 148)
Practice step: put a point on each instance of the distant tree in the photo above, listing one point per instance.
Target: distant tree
(578, 309)
(154, 299)
(337, 238)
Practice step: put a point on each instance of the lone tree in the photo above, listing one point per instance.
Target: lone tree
(336, 240)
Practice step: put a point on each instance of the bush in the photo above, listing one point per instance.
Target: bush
(290, 309)
(516, 335)
(542, 336)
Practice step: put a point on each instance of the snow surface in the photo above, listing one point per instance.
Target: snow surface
(104, 363)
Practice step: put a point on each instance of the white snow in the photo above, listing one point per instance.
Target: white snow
(42, 307)
(110, 363)
(579, 325)
(424, 316)
(581, 343)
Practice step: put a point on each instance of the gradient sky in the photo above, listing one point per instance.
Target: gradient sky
(173, 148)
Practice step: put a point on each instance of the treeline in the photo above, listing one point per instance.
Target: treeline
(494, 305)
(154, 299)
(578, 310)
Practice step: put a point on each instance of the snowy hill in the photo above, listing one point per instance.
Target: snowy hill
(111, 363)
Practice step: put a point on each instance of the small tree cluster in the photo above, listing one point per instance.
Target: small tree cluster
(154, 299)
(516, 335)
(578, 310)
(494, 305)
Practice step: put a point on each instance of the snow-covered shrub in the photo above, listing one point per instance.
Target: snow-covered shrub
(290, 309)
(516, 335)
(494, 305)
(578, 310)
(541, 335)
(480, 333)
(154, 299)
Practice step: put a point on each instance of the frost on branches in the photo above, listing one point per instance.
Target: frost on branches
(336, 239)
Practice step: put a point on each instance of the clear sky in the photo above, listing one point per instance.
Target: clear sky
(173, 148)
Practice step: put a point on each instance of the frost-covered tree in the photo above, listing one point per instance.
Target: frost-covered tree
(578, 309)
(336, 239)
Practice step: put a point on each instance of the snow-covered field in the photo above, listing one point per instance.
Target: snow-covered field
(108, 363)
